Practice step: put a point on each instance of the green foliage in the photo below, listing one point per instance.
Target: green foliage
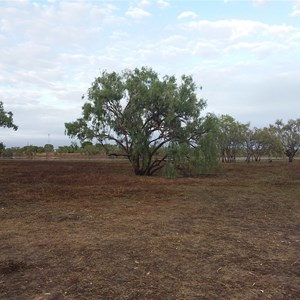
(262, 141)
(65, 149)
(170, 170)
(29, 150)
(48, 148)
(187, 159)
(141, 113)
(73, 148)
(6, 118)
(89, 149)
(289, 135)
(5, 152)
(231, 137)
(86, 144)
(2, 147)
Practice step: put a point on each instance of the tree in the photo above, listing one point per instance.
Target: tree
(262, 141)
(232, 136)
(2, 147)
(73, 148)
(289, 135)
(141, 113)
(6, 118)
(29, 150)
(193, 159)
(48, 148)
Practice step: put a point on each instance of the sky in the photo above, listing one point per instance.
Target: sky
(245, 54)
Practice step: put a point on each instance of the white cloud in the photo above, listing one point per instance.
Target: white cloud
(296, 8)
(144, 3)
(52, 51)
(187, 14)
(175, 39)
(259, 50)
(254, 2)
(137, 13)
(205, 49)
(259, 2)
(295, 13)
(163, 3)
(236, 29)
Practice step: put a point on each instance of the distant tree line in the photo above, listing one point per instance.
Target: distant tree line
(86, 148)
(29, 150)
(237, 139)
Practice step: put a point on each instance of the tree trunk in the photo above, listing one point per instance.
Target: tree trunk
(290, 153)
(138, 169)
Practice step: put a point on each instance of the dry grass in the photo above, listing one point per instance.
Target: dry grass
(92, 230)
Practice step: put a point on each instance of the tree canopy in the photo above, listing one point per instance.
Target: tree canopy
(231, 136)
(262, 141)
(142, 113)
(6, 118)
(289, 135)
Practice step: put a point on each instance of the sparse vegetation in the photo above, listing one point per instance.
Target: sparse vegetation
(93, 230)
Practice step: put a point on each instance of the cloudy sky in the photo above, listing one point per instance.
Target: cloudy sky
(245, 54)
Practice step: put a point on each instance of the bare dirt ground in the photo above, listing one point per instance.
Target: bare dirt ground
(92, 230)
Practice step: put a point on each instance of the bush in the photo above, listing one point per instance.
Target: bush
(7, 153)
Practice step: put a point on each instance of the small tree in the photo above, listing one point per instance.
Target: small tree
(30, 150)
(2, 147)
(141, 113)
(262, 142)
(231, 137)
(289, 135)
(6, 121)
(48, 148)
(6, 118)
